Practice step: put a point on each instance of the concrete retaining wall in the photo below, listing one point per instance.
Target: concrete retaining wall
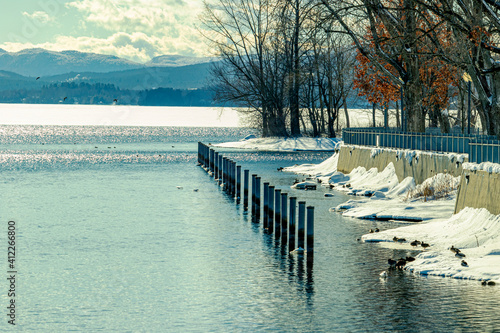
(419, 165)
(479, 189)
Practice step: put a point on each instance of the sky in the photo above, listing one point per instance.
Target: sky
(137, 30)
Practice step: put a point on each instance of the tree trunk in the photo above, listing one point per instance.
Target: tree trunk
(374, 106)
(294, 103)
(347, 123)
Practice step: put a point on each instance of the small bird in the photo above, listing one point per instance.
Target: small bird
(115, 100)
(395, 239)
(401, 263)
(298, 250)
(377, 230)
(410, 259)
(372, 231)
(414, 243)
(459, 255)
(488, 283)
(401, 240)
(195, 190)
(65, 98)
(464, 263)
(37, 78)
(179, 187)
(424, 245)
(392, 263)
(454, 249)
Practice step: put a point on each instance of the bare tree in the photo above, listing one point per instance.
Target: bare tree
(249, 73)
(400, 38)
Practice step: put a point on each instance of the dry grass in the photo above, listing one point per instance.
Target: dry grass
(437, 187)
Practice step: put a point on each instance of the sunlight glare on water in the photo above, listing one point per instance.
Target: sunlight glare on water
(115, 238)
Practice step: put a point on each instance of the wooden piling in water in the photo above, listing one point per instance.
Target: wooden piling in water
(230, 177)
(245, 189)
(277, 213)
(265, 221)
(233, 180)
(216, 165)
(223, 175)
(310, 231)
(291, 224)
(284, 219)
(199, 152)
(270, 225)
(257, 197)
(238, 183)
(301, 225)
(254, 196)
(211, 161)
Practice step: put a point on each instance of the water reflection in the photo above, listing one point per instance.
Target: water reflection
(185, 261)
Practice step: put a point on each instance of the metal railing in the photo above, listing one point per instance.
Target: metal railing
(481, 148)
(484, 151)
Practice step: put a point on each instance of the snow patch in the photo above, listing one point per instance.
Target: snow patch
(485, 166)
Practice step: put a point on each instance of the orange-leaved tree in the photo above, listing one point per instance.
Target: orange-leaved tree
(431, 40)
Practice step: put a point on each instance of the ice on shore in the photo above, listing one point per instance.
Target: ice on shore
(284, 144)
(476, 232)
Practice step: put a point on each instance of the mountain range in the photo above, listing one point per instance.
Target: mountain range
(33, 68)
(39, 62)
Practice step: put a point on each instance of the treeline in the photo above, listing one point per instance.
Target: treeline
(280, 61)
(294, 64)
(101, 93)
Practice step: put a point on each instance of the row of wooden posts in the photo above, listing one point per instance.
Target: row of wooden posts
(279, 211)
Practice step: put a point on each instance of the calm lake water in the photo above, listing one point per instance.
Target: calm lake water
(107, 242)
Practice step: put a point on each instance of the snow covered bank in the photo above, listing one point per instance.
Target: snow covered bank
(475, 232)
(285, 144)
(408, 163)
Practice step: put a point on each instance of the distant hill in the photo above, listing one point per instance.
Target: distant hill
(181, 77)
(10, 81)
(40, 62)
(41, 76)
(177, 60)
(107, 94)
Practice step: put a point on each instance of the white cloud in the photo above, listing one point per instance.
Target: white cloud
(149, 16)
(136, 46)
(134, 29)
(40, 18)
